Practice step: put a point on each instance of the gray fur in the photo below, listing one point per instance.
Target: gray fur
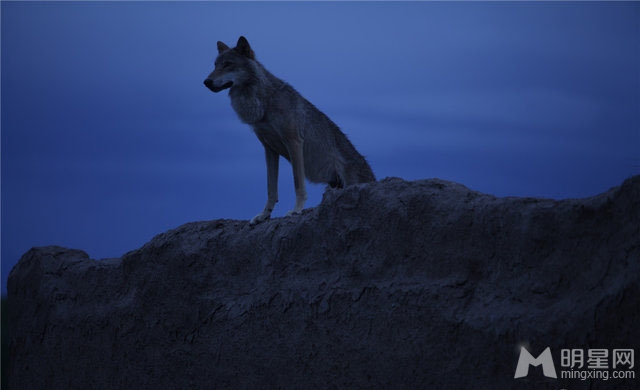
(287, 125)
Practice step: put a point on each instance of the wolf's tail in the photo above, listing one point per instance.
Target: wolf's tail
(360, 170)
(356, 169)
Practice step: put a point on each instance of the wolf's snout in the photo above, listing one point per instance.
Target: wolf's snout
(216, 87)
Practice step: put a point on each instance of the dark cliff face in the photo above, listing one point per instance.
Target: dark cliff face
(392, 284)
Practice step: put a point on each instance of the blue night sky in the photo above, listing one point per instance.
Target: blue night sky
(109, 136)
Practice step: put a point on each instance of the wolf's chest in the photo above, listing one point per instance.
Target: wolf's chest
(248, 107)
(271, 138)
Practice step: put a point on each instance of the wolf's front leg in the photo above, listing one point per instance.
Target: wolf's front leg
(273, 161)
(297, 162)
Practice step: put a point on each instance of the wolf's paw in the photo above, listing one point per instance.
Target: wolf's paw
(293, 212)
(259, 218)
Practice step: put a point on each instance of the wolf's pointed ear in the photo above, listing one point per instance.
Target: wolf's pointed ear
(222, 47)
(243, 48)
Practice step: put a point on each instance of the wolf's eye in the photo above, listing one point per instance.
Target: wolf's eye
(226, 64)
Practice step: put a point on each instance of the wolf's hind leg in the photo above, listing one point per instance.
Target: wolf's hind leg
(273, 161)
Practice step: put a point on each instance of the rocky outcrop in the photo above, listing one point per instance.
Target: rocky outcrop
(393, 284)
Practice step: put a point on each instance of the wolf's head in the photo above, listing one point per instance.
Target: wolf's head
(233, 66)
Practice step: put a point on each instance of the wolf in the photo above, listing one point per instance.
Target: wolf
(287, 125)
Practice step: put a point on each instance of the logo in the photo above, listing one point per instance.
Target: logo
(526, 360)
(595, 363)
